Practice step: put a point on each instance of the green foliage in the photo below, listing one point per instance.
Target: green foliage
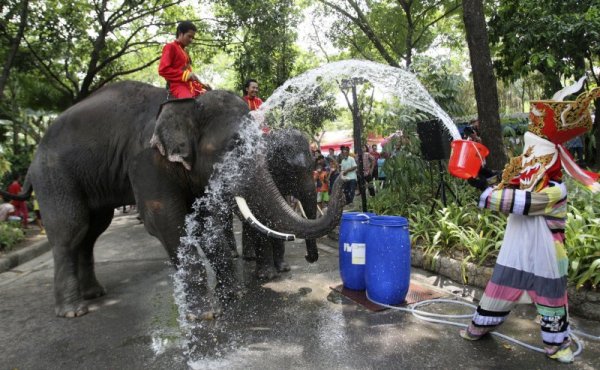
(310, 113)
(442, 83)
(388, 31)
(260, 35)
(583, 236)
(74, 47)
(558, 44)
(10, 235)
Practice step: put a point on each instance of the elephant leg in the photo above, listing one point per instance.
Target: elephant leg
(163, 201)
(263, 247)
(67, 223)
(278, 252)
(88, 284)
(218, 254)
(248, 252)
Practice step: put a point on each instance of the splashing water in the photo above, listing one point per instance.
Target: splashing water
(204, 232)
(389, 81)
(204, 226)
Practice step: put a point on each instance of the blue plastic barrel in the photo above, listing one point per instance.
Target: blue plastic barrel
(352, 249)
(387, 269)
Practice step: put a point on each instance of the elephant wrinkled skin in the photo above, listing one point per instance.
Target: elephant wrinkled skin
(112, 149)
(291, 165)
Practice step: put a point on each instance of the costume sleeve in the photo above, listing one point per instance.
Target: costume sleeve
(550, 201)
(167, 68)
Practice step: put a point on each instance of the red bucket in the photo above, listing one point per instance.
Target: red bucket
(466, 158)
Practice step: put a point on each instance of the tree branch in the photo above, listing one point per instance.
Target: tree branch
(361, 22)
(54, 79)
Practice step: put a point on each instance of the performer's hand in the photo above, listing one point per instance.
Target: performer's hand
(486, 177)
(478, 182)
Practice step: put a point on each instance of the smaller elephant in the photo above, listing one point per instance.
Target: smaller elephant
(291, 165)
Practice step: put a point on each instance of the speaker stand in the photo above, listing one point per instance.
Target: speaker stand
(442, 187)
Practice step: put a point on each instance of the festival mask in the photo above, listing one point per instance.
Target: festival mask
(552, 123)
(539, 155)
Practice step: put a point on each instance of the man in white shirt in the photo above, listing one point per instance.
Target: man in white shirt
(348, 173)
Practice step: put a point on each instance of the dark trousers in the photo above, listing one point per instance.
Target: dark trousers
(349, 189)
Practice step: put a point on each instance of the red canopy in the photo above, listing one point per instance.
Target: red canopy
(336, 139)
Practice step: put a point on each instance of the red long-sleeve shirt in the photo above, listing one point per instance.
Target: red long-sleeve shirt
(175, 67)
(253, 103)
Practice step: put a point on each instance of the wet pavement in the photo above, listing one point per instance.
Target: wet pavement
(295, 321)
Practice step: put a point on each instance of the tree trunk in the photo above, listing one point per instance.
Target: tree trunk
(358, 124)
(486, 91)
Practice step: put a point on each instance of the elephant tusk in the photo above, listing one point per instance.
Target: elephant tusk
(320, 211)
(302, 209)
(249, 217)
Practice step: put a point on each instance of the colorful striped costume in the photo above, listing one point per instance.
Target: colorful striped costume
(532, 260)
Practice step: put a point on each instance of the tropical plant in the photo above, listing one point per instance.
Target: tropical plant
(10, 235)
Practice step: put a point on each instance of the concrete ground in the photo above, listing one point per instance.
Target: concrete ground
(295, 321)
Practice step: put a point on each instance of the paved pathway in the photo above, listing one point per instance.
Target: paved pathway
(295, 321)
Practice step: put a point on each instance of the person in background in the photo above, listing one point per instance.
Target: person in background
(20, 206)
(381, 173)
(176, 66)
(348, 173)
(330, 158)
(38, 215)
(251, 94)
(368, 166)
(341, 155)
(575, 146)
(6, 209)
(375, 154)
(321, 177)
(334, 172)
(471, 132)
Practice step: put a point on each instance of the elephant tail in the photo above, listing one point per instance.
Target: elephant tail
(25, 193)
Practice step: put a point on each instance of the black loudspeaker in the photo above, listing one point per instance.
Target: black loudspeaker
(435, 140)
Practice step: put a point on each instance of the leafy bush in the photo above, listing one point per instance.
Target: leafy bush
(583, 237)
(9, 236)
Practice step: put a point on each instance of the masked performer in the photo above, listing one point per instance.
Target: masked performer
(532, 263)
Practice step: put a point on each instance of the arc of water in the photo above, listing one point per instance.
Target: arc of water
(390, 81)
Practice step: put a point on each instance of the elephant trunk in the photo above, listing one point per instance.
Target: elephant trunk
(271, 208)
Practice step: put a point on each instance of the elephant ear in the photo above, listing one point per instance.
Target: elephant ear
(175, 131)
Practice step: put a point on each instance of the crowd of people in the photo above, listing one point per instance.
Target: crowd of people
(329, 168)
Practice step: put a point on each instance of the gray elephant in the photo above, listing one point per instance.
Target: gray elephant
(291, 166)
(121, 146)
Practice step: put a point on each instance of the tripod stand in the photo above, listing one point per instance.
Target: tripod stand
(442, 187)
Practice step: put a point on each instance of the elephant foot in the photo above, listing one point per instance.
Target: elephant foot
(71, 310)
(205, 316)
(282, 266)
(266, 272)
(94, 291)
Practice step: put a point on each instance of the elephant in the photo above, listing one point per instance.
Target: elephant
(125, 145)
(291, 166)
